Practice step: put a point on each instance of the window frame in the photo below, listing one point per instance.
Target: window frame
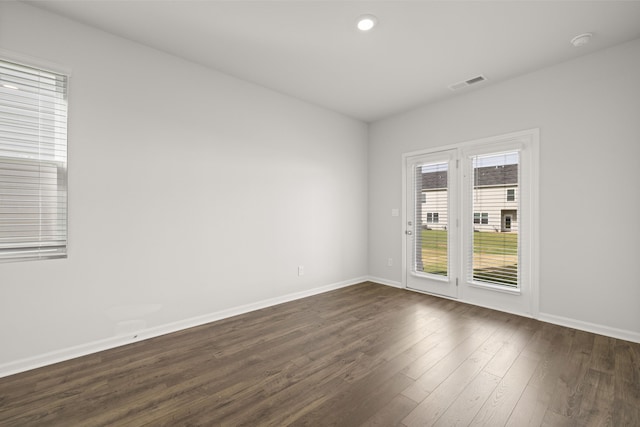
(433, 217)
(481, 218)
(525, 298)
(32, 251)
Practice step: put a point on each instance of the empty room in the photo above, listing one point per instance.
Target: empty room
(271, 213)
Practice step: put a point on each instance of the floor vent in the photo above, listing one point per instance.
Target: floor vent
(466, 83)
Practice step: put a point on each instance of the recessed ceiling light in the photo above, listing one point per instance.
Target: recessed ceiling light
(581, 39)
(8, 86)
(367, 22)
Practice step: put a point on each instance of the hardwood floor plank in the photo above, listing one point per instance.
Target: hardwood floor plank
(497, 408)
(596, 407)
(415, 343)
(356, 403)
(626, 406)
(509, 352)
(539, 344)
(467, 404)
(451, 355)
(534, 402)
(569, 386)
(552, 419)
(603, 357)
(438, 401)
(392, 413)
(502, 335)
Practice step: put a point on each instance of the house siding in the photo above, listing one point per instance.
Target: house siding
(491, 200)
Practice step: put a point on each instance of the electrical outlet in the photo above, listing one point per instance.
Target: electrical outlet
(301, 270)
(389, 262)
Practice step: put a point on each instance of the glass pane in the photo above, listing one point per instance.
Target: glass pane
(495, 236)
(432, 209)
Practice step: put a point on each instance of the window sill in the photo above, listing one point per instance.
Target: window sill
(497, 288)
(430, 276)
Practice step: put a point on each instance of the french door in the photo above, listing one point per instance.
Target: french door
(470, 217)
(431, 218)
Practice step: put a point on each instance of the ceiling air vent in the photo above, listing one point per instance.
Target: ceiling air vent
(466, 83)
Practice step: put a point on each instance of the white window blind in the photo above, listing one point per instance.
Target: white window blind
(495, 243)
(33, 163)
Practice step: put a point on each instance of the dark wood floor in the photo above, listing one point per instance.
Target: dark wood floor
(362, 355)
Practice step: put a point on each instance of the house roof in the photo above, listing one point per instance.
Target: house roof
(484, 176)
(434, 180)
(496, 175)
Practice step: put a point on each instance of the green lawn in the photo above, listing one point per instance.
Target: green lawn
(495, 243)
(495, 255)
(434, 251)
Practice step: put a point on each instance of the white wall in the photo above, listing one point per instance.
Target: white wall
(588, 112)
(189, 191)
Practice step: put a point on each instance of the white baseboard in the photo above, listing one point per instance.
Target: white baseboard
(385, 282)
(622, 334)
(50, 358)
(608, 331)
(45, 359)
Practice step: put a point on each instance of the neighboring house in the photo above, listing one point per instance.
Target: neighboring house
(495, 199)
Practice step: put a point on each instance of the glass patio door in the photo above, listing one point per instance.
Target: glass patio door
(431, 223)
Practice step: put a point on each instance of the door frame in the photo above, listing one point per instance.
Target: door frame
(530, 137)
(438, 285)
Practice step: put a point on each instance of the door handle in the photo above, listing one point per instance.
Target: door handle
(409, 232)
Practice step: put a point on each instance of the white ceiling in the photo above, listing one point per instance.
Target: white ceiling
(312, 51)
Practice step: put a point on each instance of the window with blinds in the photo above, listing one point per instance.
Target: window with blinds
(431, 215)
(33, 163)
(495, 219)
